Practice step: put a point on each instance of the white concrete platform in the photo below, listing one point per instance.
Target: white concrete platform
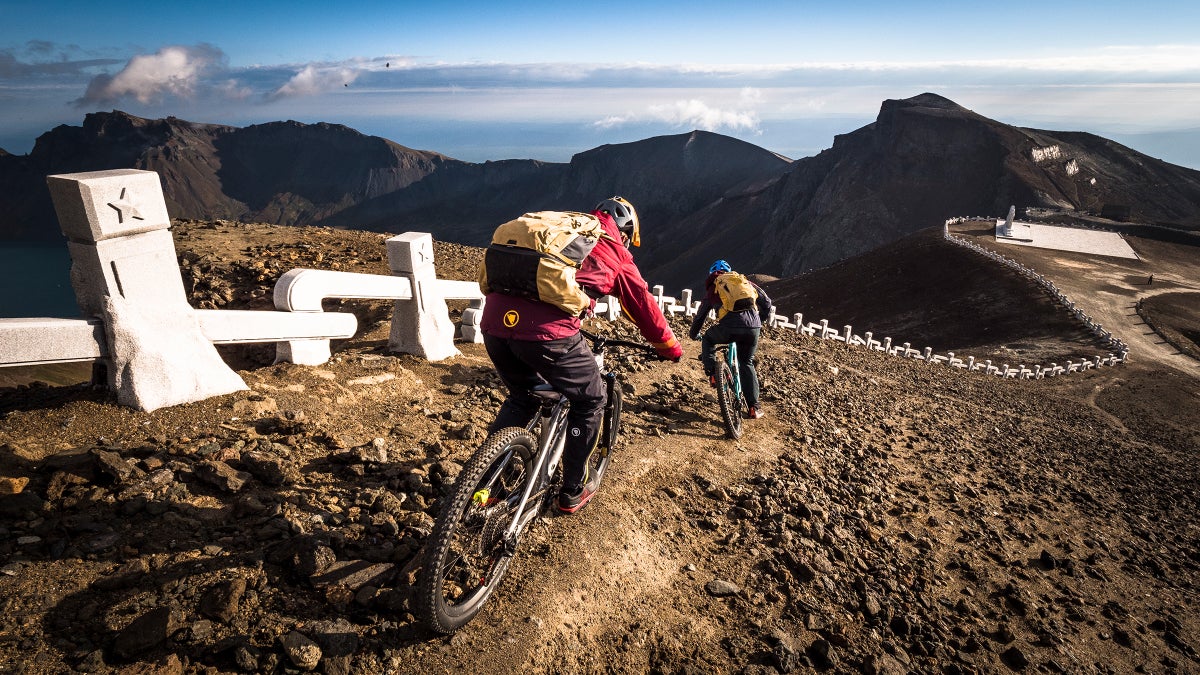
(1076, 240)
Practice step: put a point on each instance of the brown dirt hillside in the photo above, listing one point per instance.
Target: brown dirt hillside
(886, 517)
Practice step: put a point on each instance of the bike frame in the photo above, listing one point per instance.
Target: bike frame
(551, 442)
(732, 361)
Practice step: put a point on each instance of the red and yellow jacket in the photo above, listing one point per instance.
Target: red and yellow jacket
(608, 270)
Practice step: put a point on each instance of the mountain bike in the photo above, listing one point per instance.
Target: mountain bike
(509, 481)
(729, 390)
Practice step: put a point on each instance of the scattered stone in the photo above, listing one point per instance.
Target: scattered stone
(820, 652)
(353, 574)
(374, 452)
(246, 657)
(100, 542)
(313, 559)
(783, 651)
(883, 664)
(12, 486)
(93, 663)
(255, 407)
(115, 466)
(870, 606)
(1014, 658)
(151, 484)
(220, 475)
(337, 639)
(269, 469)
(721, 588)
(221, 600)
(301, 651)
(146, 631)
(125, 576)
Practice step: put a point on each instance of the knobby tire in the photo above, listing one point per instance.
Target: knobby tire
(731, 407)
(465, 557)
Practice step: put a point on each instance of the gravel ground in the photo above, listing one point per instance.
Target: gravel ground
(886, 517)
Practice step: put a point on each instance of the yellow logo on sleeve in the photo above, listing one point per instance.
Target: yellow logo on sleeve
(511, 318)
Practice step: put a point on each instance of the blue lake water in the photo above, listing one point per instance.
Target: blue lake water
(35, 281)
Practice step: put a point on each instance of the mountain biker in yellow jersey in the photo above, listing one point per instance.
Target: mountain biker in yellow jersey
(741, 325)
(534, 343)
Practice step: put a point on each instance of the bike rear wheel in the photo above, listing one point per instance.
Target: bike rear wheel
(466, 555)
(731, 404)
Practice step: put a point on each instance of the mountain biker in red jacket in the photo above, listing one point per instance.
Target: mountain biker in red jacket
(742, 328)
(535, 343)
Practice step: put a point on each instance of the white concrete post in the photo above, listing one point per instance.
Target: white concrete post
(471, 318)
(422, 325)
(887, 345)
(125, 272)
(799, 320)
(686, 296)
(928, 354)
(970, 363)
(824, 328)
(612, 308)
(657, 292)
(848, 332)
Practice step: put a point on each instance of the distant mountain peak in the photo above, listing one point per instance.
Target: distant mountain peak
(922, 103)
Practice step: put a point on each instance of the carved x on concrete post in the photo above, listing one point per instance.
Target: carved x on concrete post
(124, 271)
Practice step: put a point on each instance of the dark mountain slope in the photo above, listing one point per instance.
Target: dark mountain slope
(666, 178)
(283, 172)
(295, 174)
(924, 290)
(923, 160)
(180, 151)
(325, 174)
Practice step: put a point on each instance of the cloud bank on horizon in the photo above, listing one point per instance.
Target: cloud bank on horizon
(1043, 81)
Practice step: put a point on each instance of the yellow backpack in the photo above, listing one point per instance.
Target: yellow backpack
(735, 292)
(536, 256)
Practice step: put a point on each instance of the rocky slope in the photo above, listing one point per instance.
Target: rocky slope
(887, 517)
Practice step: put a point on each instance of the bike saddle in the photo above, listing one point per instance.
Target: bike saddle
(546, 392)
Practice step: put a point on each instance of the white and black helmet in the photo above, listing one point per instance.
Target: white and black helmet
(627, 221)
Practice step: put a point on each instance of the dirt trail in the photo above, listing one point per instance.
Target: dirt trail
(590, 590)
(1108, 289)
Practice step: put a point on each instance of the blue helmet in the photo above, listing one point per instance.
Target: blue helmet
(720, 266)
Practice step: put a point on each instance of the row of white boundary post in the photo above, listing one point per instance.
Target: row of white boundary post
(822, 330)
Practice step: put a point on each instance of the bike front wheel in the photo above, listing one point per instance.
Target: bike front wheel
(731, 404)
(467, 555)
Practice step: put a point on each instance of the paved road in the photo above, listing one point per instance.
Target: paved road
(1108, 289)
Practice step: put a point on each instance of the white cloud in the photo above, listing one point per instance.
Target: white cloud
(698, 114)
(316, 80)
(171, 71)
(693, 114)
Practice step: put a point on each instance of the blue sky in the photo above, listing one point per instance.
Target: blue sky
(543, 80)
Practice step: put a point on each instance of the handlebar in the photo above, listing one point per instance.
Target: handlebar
(599, 343)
